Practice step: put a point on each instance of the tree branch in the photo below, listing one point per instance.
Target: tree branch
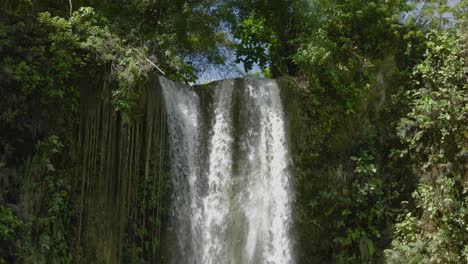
(148, 60)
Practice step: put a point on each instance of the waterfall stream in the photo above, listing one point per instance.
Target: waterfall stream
(230, 173)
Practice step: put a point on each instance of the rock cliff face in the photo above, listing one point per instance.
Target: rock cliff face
(123, 163)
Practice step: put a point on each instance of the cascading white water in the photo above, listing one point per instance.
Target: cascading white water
(267, 201)
(222, 214)
(183, 115)
(216, 201)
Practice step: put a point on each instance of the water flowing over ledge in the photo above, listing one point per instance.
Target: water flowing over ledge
(230, 172)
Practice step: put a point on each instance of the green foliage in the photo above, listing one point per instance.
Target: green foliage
(38, 231)
(44, 236)
(143, 241)
(357, 83)
(9, 227)
(39, 92)
(83, 34)
(337, 56)
(255, 39)
(265, 32)
(8, 223)
(435, 234)
(434, 129)
(363, 211)
(434, 133)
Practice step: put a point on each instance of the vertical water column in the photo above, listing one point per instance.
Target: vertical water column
(216, 202)
(183, 110)
(267, 196)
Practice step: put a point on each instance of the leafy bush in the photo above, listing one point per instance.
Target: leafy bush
(435, 136)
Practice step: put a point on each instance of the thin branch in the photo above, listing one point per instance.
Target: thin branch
(421, 12)
(71, 7)
(148, 60)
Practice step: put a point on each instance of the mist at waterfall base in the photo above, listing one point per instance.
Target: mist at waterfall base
(230, 173)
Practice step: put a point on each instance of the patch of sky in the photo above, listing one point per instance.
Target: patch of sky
(209, 72)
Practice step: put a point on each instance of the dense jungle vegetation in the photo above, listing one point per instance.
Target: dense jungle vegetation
(381, 147)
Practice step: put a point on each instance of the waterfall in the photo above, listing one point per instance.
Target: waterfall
(216, 201)
(266, 203)
(230, 173)
(183, 108)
